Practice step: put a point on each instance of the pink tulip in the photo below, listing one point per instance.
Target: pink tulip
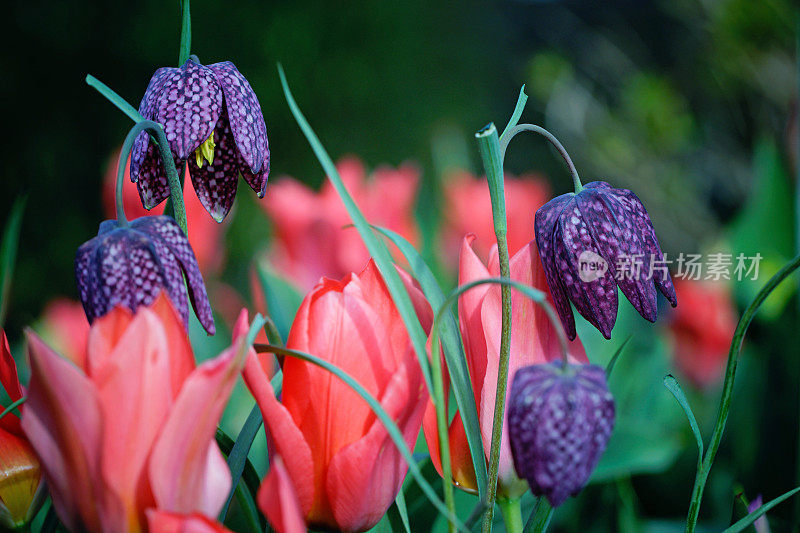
(468, 209)
(65, 328)
(702, 329)
(166, 522)
(345, 468)
(533, 341)
(311, 237)
(21, 487)
(204, 232)
(279, 500)
(130, 426)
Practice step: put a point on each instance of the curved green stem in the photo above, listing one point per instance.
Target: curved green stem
(727, 389)
(507, 136)
(186, 33)
(13, 406)
(127, 146)
(512, 514)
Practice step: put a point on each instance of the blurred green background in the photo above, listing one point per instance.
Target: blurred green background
(690, 103)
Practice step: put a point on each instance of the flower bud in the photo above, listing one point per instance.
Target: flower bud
(560, 418)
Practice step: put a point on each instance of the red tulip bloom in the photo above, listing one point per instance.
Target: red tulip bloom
(166, 522)
(204, 232)
(311, 237)
(130, 425)
(533, 341)
(344, 466)
(21, 487)
(468, 209)
(65, 328)
(702, 329)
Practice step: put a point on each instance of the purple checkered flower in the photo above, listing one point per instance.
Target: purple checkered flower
(211, 118)
(129, 265)
(559, 421)
(593, 241)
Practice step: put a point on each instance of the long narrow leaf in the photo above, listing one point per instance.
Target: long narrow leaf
(613, 362)
(398, 514)
(540, 516)
(114, 98)
(674, 387)
(394, 432)
(745, 522)
(453, 352)
(376, 247)
(240, 451)
(8, 253)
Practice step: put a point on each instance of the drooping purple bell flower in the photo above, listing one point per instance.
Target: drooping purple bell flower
(211, 118)
(559, 422)
(593, 241)
(129, 265)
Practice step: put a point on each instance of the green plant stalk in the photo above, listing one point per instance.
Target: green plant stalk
(489, 147)
(158, 135)
(510, 132)
(540, 516)
(444, 434)
(727, 389)
(512, 514)
(8, 253)
(186, 33)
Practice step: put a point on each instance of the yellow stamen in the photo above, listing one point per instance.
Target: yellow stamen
(205, 151)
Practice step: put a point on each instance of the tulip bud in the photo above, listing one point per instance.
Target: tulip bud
(560, 418)
(21, 486)
(129, 265)
(593, 241)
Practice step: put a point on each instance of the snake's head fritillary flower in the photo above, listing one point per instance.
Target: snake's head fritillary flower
(593, 241)
(129, 265)
(559, 421)
(213, 120)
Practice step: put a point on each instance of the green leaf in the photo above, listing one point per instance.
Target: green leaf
(540, 516)
(114, 98)
(240, 451)
(398, 514)
(674, 387)
(394, 432)
(453, 352)
(282, 299)
(745, 522)
(613, 362)
(8, 253)
(376, 247)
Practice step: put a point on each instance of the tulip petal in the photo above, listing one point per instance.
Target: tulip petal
(164, 229)
(179, 465)
(283, 435)
(147, 108)
(215, 182)
(246, 118)
(545, 224)
(188, 107)
(165, 522)
(20, 476)
(9, 379)
(133, 387)
(469, 311)
(62, 421)
(278, 499)
(360, 496)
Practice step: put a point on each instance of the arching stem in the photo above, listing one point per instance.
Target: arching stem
(508, 135)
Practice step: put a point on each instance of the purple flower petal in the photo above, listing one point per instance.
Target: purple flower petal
(595, 299)
(188, 107)
(147, 108)
(163, 228)
(244, 112)
(616, 237)
(153, 184)
(215, 183)
(544, 223)
(257, 181)
(559, 423)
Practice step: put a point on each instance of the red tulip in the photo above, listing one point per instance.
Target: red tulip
(311, 237)
(702, 329)
(533, 341)
(279, 500)
(204, 232)
(21, 487)
(166, 522)
(65, 328)
(344, 466)
(131, 425)
(468, 209)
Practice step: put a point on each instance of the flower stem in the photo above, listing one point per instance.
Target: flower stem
(124, 153)
(727, 389)
(491, 154)
(508, 135)
(186, 33)
(512, 514)
(442, 427)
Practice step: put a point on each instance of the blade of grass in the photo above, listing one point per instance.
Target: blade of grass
(394, 432)
(376, 247)
(613, 362)
(674, 387)
(8, 253)
(540, 516)
(745, 522)
(454, 355)
(398, 514)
